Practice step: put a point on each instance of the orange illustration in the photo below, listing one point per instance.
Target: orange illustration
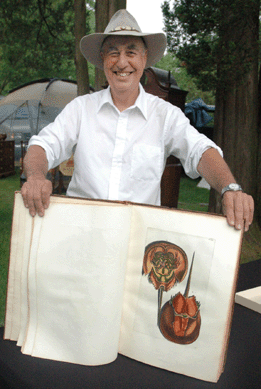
(180, 318)
(166, 264)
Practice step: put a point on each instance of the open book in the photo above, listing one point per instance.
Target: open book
(94, 278)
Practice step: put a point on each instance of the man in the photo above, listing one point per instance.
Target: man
(122, 136)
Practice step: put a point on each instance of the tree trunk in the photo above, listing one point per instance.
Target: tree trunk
(104, 10)
(258, 202)
(236, 116)
(82, 75)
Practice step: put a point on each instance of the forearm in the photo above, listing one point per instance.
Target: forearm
(37, 190)
(35, 163)
(215, 170)
(237, 206)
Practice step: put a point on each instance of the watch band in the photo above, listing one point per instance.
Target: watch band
(233, 187)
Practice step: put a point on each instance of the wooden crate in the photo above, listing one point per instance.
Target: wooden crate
(7, 167)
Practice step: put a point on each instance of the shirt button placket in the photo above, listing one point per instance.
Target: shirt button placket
(116, 168)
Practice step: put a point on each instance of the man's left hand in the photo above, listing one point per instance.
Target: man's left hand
(238, 207)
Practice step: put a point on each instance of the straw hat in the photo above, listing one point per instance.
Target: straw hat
(122, 23)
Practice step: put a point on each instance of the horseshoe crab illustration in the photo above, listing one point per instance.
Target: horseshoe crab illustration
(166, 264)
(180, 318)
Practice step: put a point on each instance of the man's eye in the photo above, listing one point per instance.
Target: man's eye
(113, 53)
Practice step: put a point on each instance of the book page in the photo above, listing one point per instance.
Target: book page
(25, 254)
(21, 226)
(180, 283)
(75, 282)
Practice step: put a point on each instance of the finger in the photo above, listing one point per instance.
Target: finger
(24, 194)
(248, 211)
(28, 198)
(239, 210)
(33, 202)
(252, 208)
(38, 204)
(46, 193)
(228, 208)
(34, 198)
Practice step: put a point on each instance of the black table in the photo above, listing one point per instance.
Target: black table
(242, 369)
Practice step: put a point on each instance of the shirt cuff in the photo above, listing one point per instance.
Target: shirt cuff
(192, 167)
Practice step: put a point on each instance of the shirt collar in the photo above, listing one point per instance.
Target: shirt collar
(140, 103)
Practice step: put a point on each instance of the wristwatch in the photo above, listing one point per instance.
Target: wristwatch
(234, 187)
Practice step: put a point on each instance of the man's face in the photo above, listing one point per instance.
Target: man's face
(124, 59)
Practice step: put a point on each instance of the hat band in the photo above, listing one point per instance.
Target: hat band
(123, 28)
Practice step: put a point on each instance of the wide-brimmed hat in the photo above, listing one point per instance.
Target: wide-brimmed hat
(123, 23)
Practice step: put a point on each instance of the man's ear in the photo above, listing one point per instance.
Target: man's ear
(145, 57)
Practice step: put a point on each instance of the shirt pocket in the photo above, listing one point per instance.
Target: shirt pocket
(146, 162)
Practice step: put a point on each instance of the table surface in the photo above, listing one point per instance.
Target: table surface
(242, 369)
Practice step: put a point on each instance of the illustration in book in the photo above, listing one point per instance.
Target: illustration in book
(166, 264)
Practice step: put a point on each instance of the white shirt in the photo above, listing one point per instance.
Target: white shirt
(121, 155)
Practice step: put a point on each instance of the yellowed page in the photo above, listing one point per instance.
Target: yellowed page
(75, 282)
(18, 242)
(216, 248)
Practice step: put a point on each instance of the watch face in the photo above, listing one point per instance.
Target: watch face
(233, 186)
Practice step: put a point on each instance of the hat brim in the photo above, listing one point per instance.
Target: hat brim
(90, 46)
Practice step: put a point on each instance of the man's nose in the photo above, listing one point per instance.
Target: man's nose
(122, 61)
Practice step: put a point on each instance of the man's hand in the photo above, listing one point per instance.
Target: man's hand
(36, 195)
(238, 207)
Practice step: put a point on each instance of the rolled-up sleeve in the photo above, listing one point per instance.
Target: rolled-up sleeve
(185, 142)
(59, 138)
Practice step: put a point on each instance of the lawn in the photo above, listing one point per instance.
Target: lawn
(7, 188)
(190, 197)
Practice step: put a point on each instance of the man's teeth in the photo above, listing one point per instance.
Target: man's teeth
(123, 74)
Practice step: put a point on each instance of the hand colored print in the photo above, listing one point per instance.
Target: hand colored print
(166, 264)
(180, 318)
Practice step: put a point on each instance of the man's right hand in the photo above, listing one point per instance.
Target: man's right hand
(36, 195)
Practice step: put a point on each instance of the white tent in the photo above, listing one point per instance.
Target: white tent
(32, 106)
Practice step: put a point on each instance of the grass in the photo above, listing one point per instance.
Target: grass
(7, 188)
(190, 198)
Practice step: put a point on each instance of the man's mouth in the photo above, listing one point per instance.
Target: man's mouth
(122, 74)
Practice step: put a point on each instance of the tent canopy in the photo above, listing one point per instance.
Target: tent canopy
(30, 107)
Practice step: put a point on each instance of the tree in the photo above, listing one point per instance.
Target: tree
(225, 34)
(184, 80)
(82, 75)
(104, 10)
(36, 41)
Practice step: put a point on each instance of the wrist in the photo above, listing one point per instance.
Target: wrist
(34, 177)
(231, 187)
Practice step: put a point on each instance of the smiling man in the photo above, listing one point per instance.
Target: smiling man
(122, 136)
(124, 60)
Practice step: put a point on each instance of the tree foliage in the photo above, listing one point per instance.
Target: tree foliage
(36, 41)
(218, 42)
(195, 34)
(184, 80)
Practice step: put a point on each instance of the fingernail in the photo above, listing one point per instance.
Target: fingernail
(239, 227)
(40, 214)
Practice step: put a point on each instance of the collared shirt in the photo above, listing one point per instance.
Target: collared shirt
(121, 155)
